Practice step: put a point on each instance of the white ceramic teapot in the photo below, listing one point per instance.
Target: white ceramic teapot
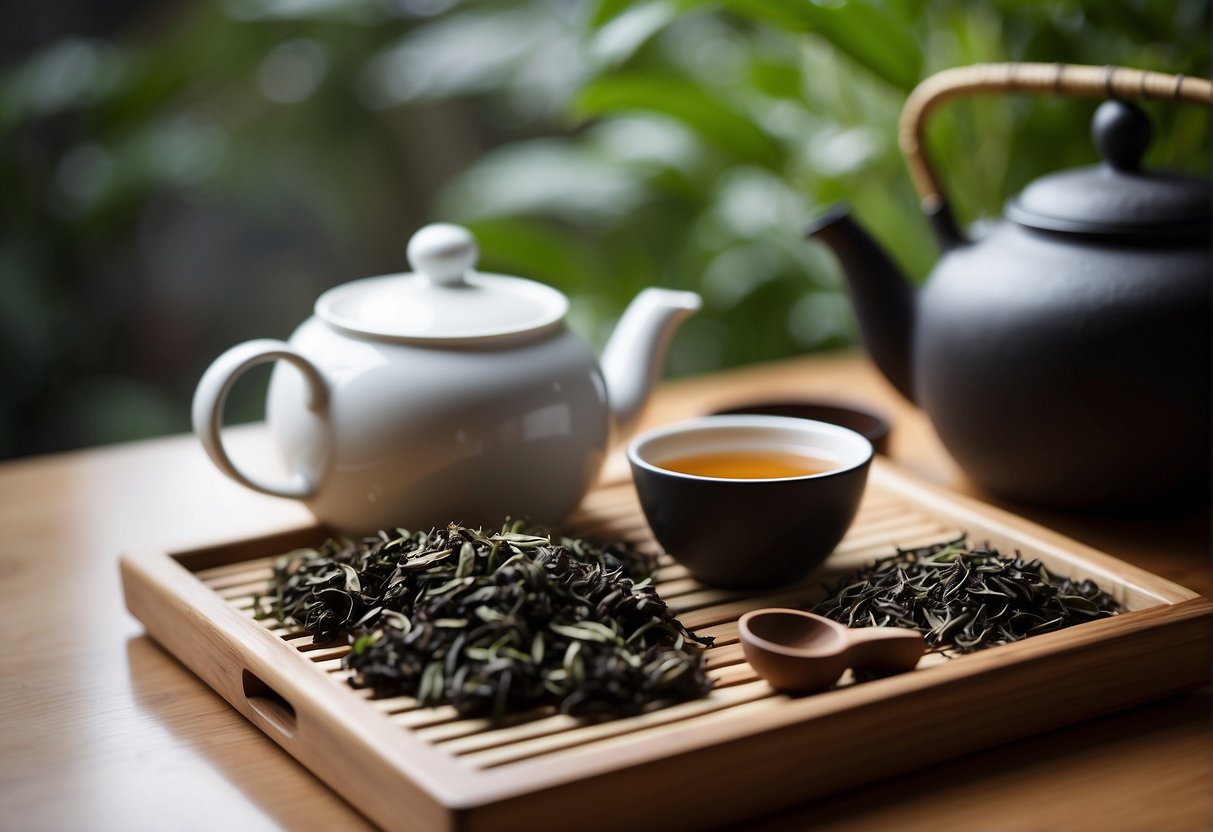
(443, 395)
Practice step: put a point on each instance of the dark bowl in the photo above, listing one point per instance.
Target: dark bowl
(750, 533)
(873, 426)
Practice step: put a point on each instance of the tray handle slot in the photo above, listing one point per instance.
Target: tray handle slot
(268, 703)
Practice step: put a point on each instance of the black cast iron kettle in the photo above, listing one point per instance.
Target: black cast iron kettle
(1063, 357)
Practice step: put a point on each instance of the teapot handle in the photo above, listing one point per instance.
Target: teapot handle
(1053, 79)
(211, 396)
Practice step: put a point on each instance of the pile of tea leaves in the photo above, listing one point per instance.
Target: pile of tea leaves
(964, 598)
(494, 622)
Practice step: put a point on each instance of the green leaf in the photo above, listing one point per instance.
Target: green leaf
(777, 79)
(520, 245)
(681, 99)
(875, 38)
(607, 10)
(365, 641)
(467, 560)
(397, 619)
(616, 41)
(582, 632)
(352, 584)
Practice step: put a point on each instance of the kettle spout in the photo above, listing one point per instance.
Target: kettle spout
(636, 350)
(883, 300)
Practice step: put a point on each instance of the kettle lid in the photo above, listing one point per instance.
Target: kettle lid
(443, 299)
(1117, 197)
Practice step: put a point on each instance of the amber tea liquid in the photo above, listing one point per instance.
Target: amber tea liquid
(747, 464)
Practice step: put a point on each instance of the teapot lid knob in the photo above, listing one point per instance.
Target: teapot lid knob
(442, 253)
(1122, 133)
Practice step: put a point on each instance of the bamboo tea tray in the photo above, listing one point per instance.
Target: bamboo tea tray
(741, 751)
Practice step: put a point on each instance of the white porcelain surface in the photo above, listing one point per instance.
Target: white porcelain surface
(382, 426)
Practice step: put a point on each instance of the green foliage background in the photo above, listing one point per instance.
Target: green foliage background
(202, 178)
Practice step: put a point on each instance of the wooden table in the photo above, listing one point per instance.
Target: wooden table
(101, 729)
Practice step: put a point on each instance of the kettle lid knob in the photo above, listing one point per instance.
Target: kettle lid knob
(1121, 132)
(1118, 199)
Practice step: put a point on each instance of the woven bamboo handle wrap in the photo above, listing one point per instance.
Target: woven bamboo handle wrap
(1051, 79)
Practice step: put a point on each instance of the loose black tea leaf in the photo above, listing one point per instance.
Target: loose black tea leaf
(491, 622)
(963, 599)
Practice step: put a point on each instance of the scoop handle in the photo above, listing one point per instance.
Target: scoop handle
(211, 396)
(884, 649)
(1038, 78)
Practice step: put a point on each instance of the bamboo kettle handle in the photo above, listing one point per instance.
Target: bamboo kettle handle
(1049, 79)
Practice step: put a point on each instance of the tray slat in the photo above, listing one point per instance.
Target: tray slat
(469, 773)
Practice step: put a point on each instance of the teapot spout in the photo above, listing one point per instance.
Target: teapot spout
(636, 350)
(883, 299)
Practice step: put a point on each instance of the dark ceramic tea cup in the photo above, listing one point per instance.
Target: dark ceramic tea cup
(749, 532)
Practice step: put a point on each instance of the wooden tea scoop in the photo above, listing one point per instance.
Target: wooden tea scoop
(801, 652)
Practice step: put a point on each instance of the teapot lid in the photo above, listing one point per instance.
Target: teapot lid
(1117, 198)
(442, 299)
